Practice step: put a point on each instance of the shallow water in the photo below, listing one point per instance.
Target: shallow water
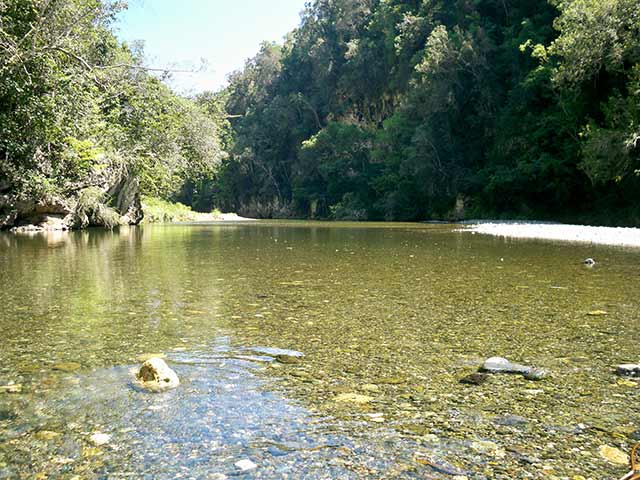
(388, 317)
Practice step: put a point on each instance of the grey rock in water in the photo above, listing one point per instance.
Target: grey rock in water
(628, 370)
(502, 365)
(155, 375)
(536, 374)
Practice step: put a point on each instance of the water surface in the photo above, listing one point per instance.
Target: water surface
(389, 317)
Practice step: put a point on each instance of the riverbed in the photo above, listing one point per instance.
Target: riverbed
(381, 322)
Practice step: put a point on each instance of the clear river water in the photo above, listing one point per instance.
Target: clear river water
(388, 318)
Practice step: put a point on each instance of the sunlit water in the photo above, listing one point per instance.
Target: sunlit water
(389, 319)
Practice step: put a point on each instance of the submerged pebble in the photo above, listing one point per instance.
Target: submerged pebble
(613, 455)
(628, 370)
(245, 464)
(475, 379)
(99, 438)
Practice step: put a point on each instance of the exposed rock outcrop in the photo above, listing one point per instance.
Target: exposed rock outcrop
(116, 202)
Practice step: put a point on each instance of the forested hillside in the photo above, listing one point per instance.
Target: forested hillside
(370, 110)
(85, 128)
(410, 110)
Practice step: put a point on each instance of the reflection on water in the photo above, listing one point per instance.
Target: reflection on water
(388, 317)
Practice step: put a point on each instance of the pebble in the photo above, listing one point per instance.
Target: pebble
(353, 398)
(67, 366)
(245, 465)
(11, 388)
(99, 439)
(46, 435)
(536, 374)
(502, 365)
(288, 359)
(475, 379)
(628, 370)
(613, 455)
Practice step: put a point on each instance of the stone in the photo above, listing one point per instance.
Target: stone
(484, 446)
(536, 374)
(67, 366)
(353, 398)
(628, 370)
(510, 421)
(370, 387)
(475, 379)
(596, 313)
(46, 435)
(245, 465)
(99, 438)
(155, 375)
(11, 388)
(502, 365)
(288, 359)
(613, 455)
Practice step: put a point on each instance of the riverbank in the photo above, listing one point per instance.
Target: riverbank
(157, 210)
(628, 237)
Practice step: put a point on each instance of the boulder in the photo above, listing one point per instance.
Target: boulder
(155, 375)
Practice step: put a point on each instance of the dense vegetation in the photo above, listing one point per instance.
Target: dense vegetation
(79, 113)
(401, 109)
(371, 109)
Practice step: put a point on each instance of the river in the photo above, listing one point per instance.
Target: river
(389, 318)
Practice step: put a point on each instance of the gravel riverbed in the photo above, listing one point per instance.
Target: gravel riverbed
(629, 237)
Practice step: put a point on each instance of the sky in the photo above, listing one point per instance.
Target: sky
(178, 34)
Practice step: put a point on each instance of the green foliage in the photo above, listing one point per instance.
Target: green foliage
(157, 210)
(77, 106)
(395, 109)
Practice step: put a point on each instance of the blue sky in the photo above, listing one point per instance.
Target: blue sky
(179, 33)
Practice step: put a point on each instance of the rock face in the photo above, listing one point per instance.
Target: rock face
(125, 197)
(121, 193)
(155, 375)
(628, 370)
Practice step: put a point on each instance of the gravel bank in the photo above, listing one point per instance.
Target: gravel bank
(568, 233)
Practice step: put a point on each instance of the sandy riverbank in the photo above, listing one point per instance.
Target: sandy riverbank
(220, 217)
(560, 232)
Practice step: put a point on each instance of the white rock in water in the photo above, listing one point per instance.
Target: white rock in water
(502, 365)
(496, 363)
(99, 439)
(245, 465)
(156, 375)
